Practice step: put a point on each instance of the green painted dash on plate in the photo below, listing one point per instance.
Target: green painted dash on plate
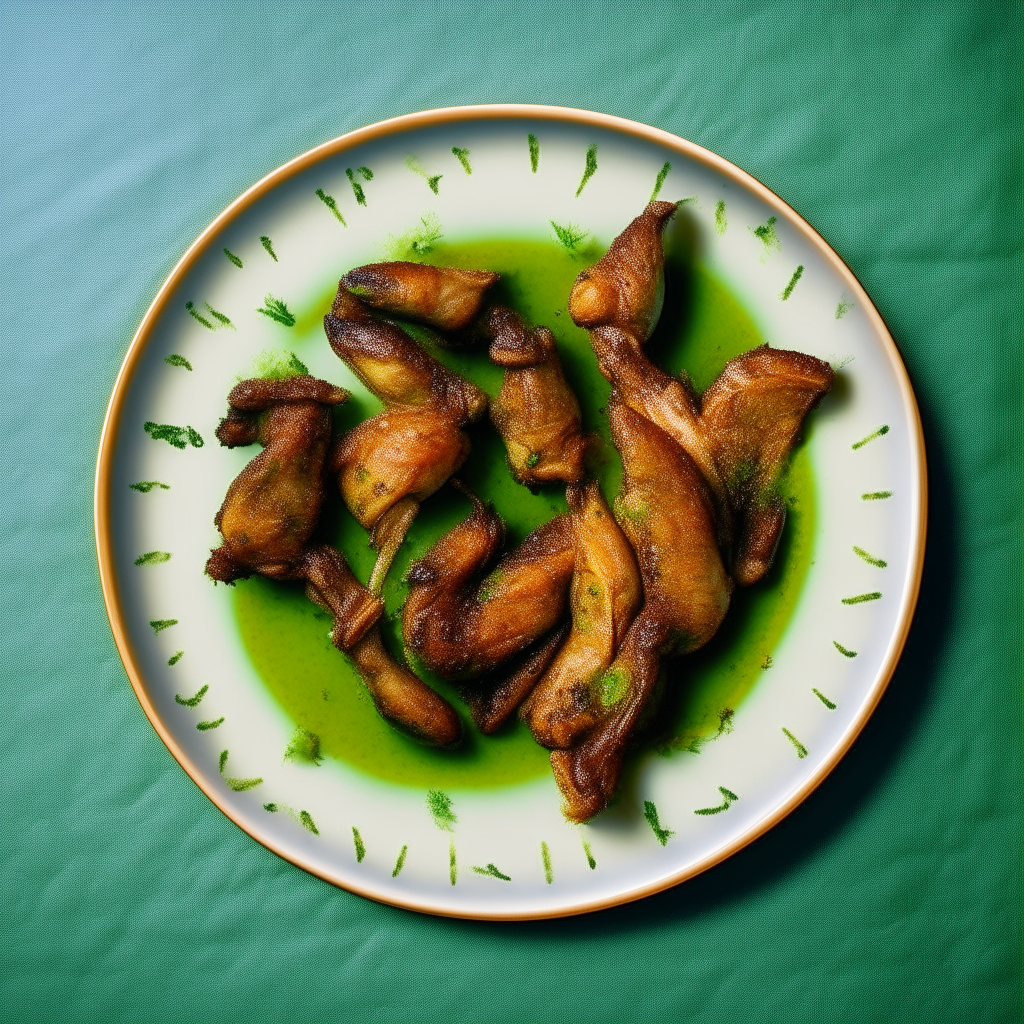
(660, 180)
(880, 432)
(493, 872)
(161, 624)
(193, 701)
(433, 181)
(768, 236)
(207, 726)
(801, 750)
(236, 785)
(176, 437)
(175, 360)
(720, 222)
(788, 290)
(360, 846)
(531, 141)
(400, 862)
(876, 495)
(175, 657)
(462, 155)
(196, 315)
(366, 173)
(843, 651)
(881, 563)
(861, 598)
(651, 814)
(269, 246)
(545, 857)
(357, 189)
(591, 862)
(843, 306)
(831, 705)
(589, 169)
(453, 870)
(307, 822)
(331, 203)
(145, 486)
(728, 797)
(153, 558)
(221, 318)
(237, 260)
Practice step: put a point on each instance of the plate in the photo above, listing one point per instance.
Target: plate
(231, 677)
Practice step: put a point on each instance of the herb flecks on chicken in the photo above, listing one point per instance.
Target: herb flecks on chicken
(606, 592)
(536, 412)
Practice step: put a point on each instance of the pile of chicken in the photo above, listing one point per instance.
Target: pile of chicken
(571, 627)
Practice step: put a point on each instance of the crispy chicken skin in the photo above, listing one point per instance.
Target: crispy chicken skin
(493, 705)
(402, 698)
(667, 514)
(444, 297)
(463, 625)
(401, 453)
(273, 505)
(626, 287)
(394, 367)
(605, 595)
(751, 416)
(536, 412)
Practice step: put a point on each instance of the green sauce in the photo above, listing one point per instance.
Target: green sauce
(703, 326)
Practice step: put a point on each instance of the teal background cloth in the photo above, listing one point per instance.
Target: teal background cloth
(894, 893)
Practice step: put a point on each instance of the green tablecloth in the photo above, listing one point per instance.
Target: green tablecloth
(894, 893)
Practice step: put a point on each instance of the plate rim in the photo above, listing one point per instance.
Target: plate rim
(102, 497)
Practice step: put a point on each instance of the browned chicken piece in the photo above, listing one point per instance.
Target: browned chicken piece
(626, 287)
(536, 412)
(669, 403)
(751, 416)
(394, 367)
(444, 297)
(273, 505)
(739, 433)
(462, 626)
(492, 706)
(402, 698)
(667, 514)
(390, 463)
(604, 597)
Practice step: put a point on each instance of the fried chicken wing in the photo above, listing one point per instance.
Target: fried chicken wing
(273, 505)
(536, 412)
(463, 626)
(743, 428)
(606, 592)
(394, 367)
(667, 514)
(751, 416)
(444, 297)
(626, 287)
(387, 465)
(402, 698)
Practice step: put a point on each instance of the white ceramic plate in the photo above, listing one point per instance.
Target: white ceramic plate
(379, 838)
